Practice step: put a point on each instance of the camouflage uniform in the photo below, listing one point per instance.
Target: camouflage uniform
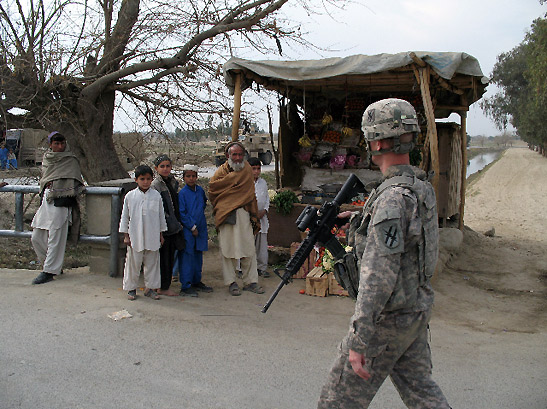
(393, 308)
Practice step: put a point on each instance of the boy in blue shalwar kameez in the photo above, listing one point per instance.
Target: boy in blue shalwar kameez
(192, 202)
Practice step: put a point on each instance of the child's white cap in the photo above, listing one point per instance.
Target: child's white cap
(193, 168)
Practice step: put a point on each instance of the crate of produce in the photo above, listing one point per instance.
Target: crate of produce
(317, 283)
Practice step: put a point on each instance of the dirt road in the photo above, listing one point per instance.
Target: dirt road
(499, 283)
(59, 349)
(512, 197)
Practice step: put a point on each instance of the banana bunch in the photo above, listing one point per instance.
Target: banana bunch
(347, 131)
(362, 143)
(327, 119)
(305, 141)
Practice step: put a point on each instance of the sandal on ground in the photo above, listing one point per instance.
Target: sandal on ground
(234, 289)
(131, 295)
(152, 294)
(254, 287)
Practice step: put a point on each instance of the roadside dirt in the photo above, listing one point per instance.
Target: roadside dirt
(499, 282)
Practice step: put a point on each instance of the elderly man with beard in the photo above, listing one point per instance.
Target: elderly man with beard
(232, 194)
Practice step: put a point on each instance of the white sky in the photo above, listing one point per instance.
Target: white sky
(481, 28)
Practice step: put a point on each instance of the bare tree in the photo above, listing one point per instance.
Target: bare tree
(480, 140)
(69, 65)
(505, 138)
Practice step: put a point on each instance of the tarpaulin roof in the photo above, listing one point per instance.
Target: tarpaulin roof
(381, 72)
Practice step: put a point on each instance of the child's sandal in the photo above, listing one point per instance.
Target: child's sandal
(152, 294)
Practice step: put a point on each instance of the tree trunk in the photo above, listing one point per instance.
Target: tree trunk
(93, 143)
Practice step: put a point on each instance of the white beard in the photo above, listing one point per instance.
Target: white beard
(237, 167)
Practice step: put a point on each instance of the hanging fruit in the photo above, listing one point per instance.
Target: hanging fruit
(327, 119)
(347, 131)
(305, 141)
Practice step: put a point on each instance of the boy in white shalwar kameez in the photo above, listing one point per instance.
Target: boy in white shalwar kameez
(263, 203)
(142, 222)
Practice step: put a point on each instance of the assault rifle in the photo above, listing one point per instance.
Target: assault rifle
(320, 222)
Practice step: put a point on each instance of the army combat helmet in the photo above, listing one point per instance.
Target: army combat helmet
(390, 118)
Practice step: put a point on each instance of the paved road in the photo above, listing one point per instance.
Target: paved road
(58, 349)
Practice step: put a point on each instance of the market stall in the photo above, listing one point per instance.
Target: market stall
(320, 138)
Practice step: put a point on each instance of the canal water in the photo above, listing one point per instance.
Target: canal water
(480, 161)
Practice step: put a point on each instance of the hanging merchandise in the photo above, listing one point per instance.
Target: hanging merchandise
(327, 119)
(305, 141)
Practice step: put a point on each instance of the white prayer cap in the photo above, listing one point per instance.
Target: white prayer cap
(193, 168)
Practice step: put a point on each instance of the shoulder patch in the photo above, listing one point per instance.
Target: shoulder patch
(389, 236)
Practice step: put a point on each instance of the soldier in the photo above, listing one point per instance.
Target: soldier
(397, 238)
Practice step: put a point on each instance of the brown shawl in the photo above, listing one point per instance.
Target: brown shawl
(229, 190)
(62, 171)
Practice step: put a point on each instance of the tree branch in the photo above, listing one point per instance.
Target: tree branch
(23, 19)
(181, 58)
(133, 84)
(18, 43)
(80, 37)
(116, 43)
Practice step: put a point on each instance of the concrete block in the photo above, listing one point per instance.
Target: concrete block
(98, 211)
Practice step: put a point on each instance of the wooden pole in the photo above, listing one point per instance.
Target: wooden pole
(275, 151)
(417, 60)
(463, 116)
(431, 126)
(237, 107)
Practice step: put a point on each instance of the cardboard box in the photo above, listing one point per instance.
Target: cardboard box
(317, 283)
(335, 288)
(308, 265)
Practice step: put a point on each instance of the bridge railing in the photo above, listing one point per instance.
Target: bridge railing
(111, 240)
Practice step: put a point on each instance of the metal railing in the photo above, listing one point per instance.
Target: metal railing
(112, 239)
